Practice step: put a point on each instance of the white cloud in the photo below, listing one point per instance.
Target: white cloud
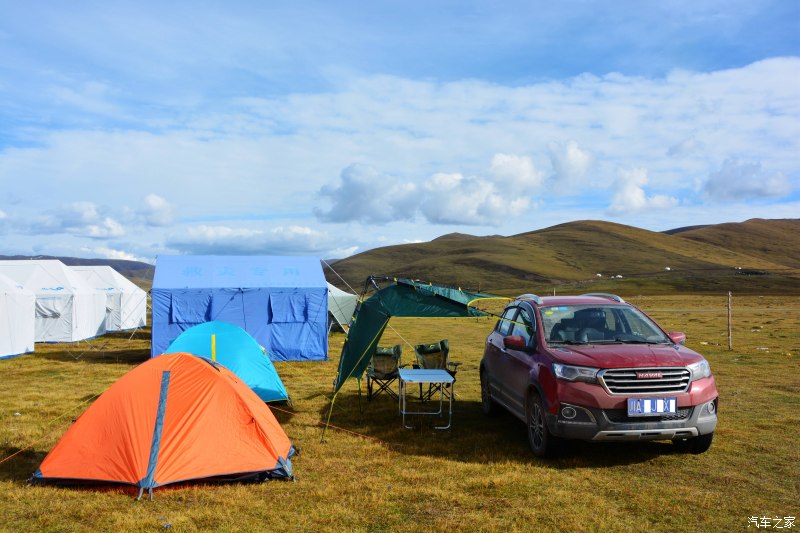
(629, 194)
(105, 228)
(110, 253)
(280, 240)
(686, 147)
(742, 180)
(367, 196)
(570, 164)
(157, 211)
(243, 157)
(78, 218)
(516, 171)
(457, 199)
(3, 215)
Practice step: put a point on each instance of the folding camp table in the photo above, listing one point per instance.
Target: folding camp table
(435, 376)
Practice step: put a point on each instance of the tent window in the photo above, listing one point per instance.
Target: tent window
(191, 307)
(288, 307)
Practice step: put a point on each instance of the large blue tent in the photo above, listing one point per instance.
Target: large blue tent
(236, 350)
(282, 302)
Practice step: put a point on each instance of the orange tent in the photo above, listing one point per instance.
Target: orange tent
(174, 418)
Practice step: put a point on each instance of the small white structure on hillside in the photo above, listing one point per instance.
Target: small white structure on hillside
(126, 303)
(68, 309)
(17, 313)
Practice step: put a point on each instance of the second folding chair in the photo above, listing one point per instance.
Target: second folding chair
(434, 355)
(382, 371)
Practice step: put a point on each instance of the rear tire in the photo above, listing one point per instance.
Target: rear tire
(695, 445)
(488, 405)
(542, 442)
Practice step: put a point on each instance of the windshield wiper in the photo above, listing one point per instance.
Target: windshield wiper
(568, 341)
(639, 341)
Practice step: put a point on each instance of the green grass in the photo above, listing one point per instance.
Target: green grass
(372, 475)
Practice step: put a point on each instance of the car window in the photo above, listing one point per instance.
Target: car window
(505, 323)
(604, 323)
(523, 325)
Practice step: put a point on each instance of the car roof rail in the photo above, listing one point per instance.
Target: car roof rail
(528, 296)
(605, 295)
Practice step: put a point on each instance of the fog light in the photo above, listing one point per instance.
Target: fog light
(712, 408)
(568, 412)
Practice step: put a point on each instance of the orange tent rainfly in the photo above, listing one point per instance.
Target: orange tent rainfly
(174, 418)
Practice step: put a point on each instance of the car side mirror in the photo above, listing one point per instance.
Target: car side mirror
(516, 342)
(678, 337)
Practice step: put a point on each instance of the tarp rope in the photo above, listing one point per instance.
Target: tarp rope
(47, 435)
(338, 276)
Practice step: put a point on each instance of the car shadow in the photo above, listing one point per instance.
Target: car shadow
(473, 436)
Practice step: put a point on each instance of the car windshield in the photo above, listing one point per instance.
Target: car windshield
(604, 324)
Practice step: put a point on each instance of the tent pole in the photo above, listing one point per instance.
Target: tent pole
(360, 411)
(328, 421)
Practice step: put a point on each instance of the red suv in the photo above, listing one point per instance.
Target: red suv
(594, 367)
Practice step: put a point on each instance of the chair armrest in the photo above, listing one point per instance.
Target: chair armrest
(453, 365)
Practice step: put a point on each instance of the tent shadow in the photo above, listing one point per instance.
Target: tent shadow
(474, 437)
(21, 466)
(282, 410)
(142, 334)
(125, 356)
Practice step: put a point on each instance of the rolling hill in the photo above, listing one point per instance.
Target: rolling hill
(753, 256)
(778, 240)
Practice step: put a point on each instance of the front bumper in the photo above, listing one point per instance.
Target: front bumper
(587, 423)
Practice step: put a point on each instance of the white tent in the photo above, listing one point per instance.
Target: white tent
(126, 304)
(68, 309)
(17, 311)
(341, 305)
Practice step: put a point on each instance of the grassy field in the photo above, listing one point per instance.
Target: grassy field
(371, 475)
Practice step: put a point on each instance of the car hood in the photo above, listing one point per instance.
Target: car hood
(625, 355)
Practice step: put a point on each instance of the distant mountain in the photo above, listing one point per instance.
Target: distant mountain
(136, 271)
(778, 239)
(571, 256)
(683, 229)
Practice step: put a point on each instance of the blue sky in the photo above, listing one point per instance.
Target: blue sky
(132, 129)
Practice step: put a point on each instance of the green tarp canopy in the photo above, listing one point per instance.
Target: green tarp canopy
(404, 298)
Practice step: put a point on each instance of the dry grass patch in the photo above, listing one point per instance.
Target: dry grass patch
(372, 475)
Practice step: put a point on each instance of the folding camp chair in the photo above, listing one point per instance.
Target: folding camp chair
(382, 370)
(434, 355)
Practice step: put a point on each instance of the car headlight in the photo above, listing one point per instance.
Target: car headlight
(700, 370)
(575, 373)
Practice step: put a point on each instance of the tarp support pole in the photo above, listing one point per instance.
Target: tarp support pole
(360, 411)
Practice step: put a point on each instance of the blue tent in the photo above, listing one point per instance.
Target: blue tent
(282, 302)
(236, 350)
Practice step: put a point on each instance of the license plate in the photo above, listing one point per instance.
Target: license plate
(651, 406)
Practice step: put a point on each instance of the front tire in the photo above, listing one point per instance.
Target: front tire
(696, 445)
(488, 405)
(542, 442)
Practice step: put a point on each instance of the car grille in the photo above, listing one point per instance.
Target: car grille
(620, 416)
(624, 381)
